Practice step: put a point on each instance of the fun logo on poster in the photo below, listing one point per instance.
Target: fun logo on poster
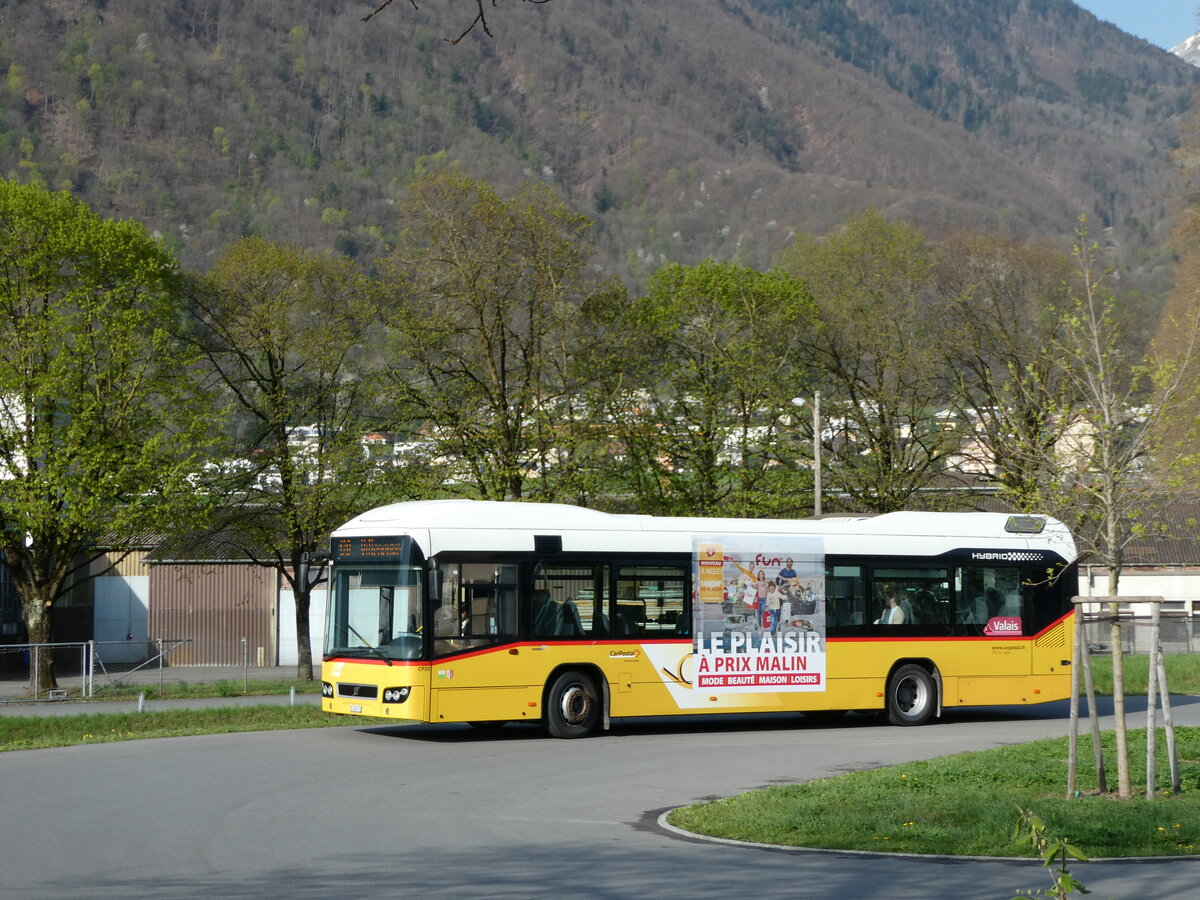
(759, 616)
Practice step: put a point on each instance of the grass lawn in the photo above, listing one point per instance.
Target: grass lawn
(40, 732)
(967, 804)
(1183, 673)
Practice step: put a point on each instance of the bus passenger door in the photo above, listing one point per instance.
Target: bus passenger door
(652, 612)
(478, 673)
(989, 604)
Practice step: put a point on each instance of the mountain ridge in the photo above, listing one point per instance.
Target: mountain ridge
(1189, 49)
(708, 128)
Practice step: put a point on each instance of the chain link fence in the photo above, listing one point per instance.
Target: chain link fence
(94, 666)
(1179, 634)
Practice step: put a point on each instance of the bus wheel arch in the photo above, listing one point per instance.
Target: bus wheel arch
(913, 694)
(575, 701)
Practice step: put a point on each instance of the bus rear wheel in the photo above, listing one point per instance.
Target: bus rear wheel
(910, 696)
(572, 705)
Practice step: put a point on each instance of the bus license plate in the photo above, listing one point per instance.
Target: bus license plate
(356, 707)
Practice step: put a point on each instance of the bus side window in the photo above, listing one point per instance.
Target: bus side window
(921, 592)
(846, 593)
(652, 601)
(478, 607)
(569, 600)
(983, 593)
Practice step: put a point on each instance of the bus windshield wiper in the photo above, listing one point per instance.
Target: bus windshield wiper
(369, 645)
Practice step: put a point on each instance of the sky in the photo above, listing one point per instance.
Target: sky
(1161, 22)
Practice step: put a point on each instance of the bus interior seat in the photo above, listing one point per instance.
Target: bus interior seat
(628, 620)
(547, 616)
(570, 623)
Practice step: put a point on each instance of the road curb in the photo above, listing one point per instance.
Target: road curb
(684, 834)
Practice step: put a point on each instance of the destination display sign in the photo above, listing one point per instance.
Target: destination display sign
(370, 547)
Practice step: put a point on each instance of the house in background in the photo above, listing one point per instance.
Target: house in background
(201, 590)
(1163, 561)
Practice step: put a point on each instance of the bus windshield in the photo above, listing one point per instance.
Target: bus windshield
(375, 611)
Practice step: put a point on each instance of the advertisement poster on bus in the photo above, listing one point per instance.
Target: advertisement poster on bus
(759, 615)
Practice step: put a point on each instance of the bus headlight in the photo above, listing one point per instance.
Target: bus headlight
(326, 689)
(396, 694)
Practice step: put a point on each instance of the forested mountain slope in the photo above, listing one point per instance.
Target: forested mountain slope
(687, 129)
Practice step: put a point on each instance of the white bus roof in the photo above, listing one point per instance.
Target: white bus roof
(478, 525)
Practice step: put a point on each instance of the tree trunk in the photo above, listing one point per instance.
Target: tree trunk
(36, 610)
(1124, 788)
(304, 662)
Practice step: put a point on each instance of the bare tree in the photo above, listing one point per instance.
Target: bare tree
(875, 354)
(1004, 309)
(285, 332)
(1114, 464)
(480, 19)
(483, 300)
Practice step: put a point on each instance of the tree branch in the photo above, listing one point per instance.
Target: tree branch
(480, 17)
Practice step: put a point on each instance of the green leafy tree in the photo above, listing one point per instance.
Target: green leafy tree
(876, 357)
(485, 303)
(709, 360)
(289, 338)
(98, 421)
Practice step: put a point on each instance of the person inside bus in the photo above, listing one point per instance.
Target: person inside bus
(893, 613)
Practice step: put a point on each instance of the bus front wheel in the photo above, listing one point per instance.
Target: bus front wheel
(572, 705)
(910, 696)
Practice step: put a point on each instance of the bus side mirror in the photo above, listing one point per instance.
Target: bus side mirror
(435, 582)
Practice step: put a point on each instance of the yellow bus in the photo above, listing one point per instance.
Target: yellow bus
(495, 612)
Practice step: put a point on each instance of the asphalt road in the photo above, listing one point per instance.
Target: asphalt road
(446, 811)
